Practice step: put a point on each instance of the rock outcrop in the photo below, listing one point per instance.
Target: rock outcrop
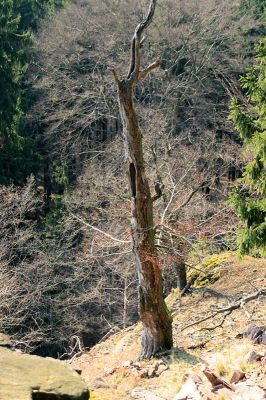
(240, 388)
(27, 377)
(255, 333)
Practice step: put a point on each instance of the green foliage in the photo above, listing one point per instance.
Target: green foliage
(210, 269)
(257, 6)
(52, 224)
(61, 175)
(32, 11)
(12, 66)
(17, 19)
(249, 196)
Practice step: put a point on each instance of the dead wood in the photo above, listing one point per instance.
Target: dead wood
(228, 310)
(156, 319)
(213, 293)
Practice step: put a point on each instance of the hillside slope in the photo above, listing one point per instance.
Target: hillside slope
(108, 367)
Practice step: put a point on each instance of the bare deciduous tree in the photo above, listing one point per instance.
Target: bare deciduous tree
(157, 334)
(188, 140)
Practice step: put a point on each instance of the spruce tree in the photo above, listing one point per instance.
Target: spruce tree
(249, 196)
(17, 20)
(32, 11)
(12, 64)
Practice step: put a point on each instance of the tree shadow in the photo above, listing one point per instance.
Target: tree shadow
(178, 355)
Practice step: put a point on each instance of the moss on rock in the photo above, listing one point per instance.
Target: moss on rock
(27, 377)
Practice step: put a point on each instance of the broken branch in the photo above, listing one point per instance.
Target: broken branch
(145, 72)
(229, 309)
(115, 76)
(137, 42)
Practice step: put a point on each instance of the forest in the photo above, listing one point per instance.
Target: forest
(66, 265)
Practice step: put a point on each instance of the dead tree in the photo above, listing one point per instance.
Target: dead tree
(157, 322)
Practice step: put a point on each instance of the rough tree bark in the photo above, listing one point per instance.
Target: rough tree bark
(157, 321)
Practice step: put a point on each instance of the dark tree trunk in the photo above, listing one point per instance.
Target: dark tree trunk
(181, 271)
(157, 334)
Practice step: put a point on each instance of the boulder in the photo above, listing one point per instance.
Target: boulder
(237, 376)
(248, 392)
(4, 340)
(127, 364)
(27, 377)
(255, 333)
(194, 389)
(99, 383)
(188, 391)
(252, 357)
(161, 368)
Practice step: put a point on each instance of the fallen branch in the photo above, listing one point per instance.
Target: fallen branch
(214, 293)
(228, 310)
(212, 328)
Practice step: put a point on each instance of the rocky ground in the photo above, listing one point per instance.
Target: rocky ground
(27, 377)
(210, 360)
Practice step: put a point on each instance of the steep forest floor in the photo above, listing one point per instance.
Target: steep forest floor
(110, 369)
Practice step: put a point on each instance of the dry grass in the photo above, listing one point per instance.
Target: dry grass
(233, 358)
(220, 348)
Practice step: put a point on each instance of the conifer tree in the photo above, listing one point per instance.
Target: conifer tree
(32, 11)
(17, 20)
(249, 196)
(12, 63)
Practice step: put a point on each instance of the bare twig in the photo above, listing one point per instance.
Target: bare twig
(212, 328)
(109, 333)
(99, 230)
(229, 309)
(187, 200)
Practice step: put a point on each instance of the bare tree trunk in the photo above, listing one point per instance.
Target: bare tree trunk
(180, 268)
(125, 304)
(157, 334)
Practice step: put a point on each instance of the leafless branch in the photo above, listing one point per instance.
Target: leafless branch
(187, 200)
(134, 69)
(145, 72)
(99, 230)
(212, 328)
(228, 310)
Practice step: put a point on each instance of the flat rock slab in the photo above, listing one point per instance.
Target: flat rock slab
(27, 377)
(4, 340)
